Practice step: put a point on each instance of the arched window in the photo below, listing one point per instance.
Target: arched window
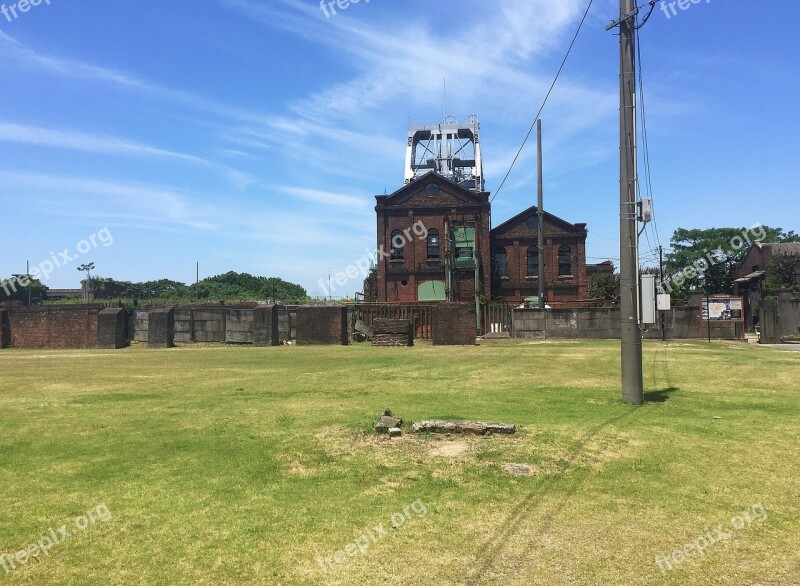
(398, 242)
(533, 261)
(500, 263)
(564, 261)
(433, 244)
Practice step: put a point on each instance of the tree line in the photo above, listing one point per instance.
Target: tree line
(230, 286)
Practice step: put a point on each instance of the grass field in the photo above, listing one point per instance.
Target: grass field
(228, 465)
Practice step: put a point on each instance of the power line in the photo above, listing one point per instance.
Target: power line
(645, 141)
(550, 91)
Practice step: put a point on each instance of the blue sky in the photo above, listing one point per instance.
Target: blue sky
(253, 136)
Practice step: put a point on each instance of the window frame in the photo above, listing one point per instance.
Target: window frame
(532, 252)
(398, 254)
(563, 250)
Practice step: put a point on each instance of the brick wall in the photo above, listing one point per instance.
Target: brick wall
(392, 332)
(57, 326)
(454, 324)
(322, 325)
(111, 329)
(5, 333)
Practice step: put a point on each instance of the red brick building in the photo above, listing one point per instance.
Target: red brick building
(515, 259)
(433, 242)
(436, 244)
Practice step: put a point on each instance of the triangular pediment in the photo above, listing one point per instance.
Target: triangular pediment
(432, 189)
(518, 226)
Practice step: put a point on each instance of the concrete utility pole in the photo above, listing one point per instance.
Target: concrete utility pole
(632, 384)
(661, 276)
(540, 217)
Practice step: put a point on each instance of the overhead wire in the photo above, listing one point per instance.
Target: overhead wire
(643, 116)
(544, 103)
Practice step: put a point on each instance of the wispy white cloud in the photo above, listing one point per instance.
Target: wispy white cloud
(337, 200)
(10, 132)
(69, 195)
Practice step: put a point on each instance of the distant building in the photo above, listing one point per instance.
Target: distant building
(515, 256)
(749, 275)
(447, 257)
(435, 239)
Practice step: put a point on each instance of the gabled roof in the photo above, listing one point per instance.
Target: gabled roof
(780, 246)
(548, 217)
(414, 186)
(751, 276)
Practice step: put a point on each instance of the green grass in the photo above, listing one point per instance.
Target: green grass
(229, 465)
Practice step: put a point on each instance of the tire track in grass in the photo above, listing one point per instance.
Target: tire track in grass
(493, 547)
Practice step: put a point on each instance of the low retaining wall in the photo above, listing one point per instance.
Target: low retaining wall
(780, 318)
(5, 331)
(239, 326)
(55, 326)
(322, 325)
(392, 332)
(111, 329)
(682, 323)
(248, 323)
(161, 329)
(453, 324)
(265, 326)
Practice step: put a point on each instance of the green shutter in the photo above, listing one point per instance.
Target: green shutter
(431, 291)
(464, 241)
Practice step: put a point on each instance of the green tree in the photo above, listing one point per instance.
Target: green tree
(19, 289)
(784, 271)
(604, 286)
(161, 289)
(704, 259)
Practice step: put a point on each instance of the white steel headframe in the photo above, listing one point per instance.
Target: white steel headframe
(451, 149)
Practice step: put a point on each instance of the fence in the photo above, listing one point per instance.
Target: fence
(420, 316)
(780, 319)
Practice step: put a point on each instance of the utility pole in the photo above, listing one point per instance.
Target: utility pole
(28, 275)
(540, 216)
(661, 277)
(631, 347)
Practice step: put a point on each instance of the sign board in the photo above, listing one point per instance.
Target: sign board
(722, 309)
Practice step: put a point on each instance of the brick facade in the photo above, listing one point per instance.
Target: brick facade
(5, 331)
(454, 324)
(112, 329)
(57, 326)
(435, 203)
(519, 235)
(392, 332)
(322, 325)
